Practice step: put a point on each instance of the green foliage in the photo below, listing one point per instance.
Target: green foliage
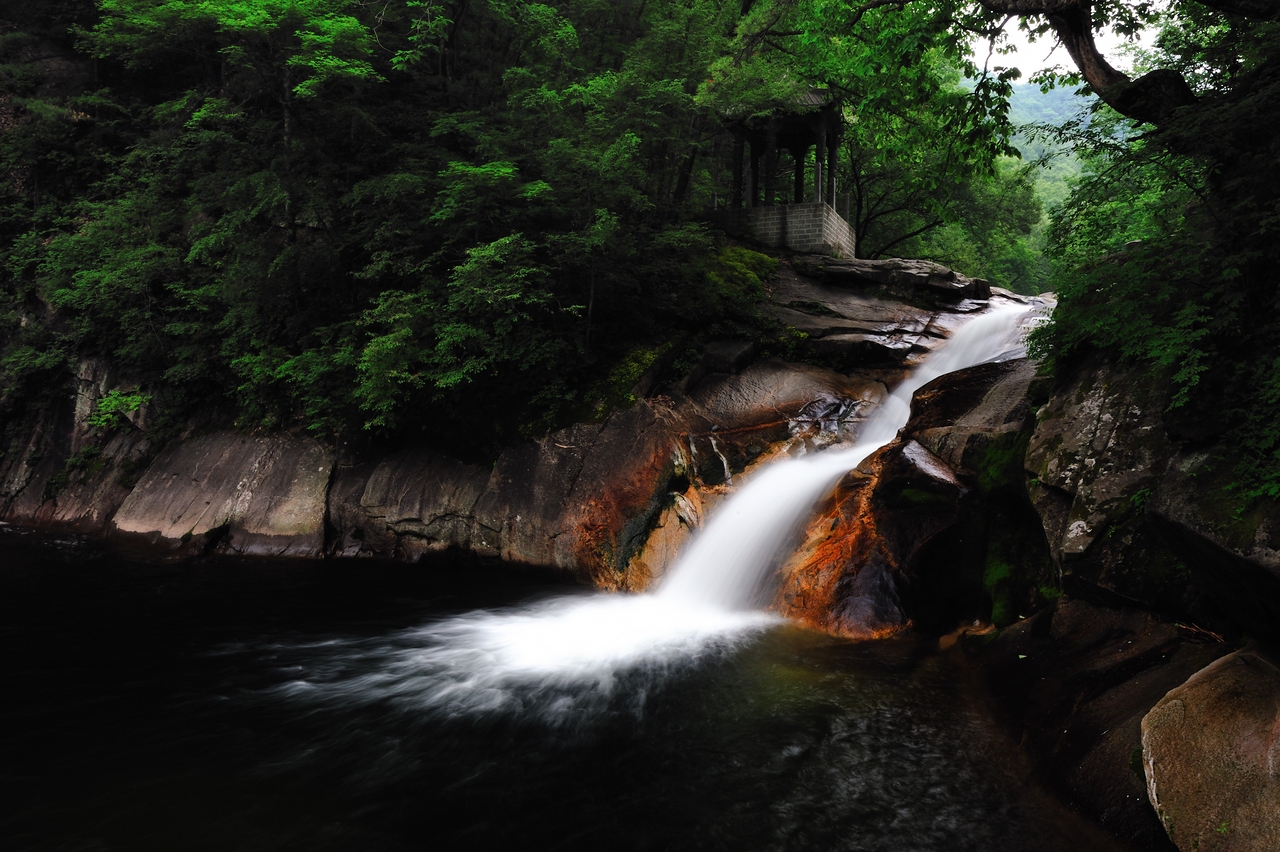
(616, 390)
(495, 314)
(992, 235)
(418, 216)
(738, 273)
(1165, 252)
(995, 576)
(111, 409)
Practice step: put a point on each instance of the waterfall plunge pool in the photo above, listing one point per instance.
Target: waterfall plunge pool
(358, 705)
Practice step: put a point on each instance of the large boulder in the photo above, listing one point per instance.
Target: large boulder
(993, 563)
(978, 418)
(1211, 757)
(258, 496)
(858, 551)
(1076, 680)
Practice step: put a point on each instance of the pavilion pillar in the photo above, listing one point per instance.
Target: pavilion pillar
(819, 155)
(739, 143)
(756, 153)
(770, 161)
(797, 157)
(833, 148)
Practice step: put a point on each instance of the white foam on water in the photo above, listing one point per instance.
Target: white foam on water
(557, 659)
(729, 561)
(553, 662)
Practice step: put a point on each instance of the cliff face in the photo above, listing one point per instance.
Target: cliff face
(607, 502)
(1115, 686)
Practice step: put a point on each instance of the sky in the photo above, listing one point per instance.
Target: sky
(1046, 52)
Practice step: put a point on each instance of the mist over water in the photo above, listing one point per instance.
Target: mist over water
(556, 662)
(565, 660)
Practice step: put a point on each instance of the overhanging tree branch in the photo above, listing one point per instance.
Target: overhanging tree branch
(1153, 97)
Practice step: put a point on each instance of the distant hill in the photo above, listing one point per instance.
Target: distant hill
(1029, 105)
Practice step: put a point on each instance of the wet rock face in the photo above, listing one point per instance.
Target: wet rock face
(857, 328)
(1076, 680)
(962, 417)
(931, 527)
(1234, 552)
(1211, 757)
(59, 472)
(859, 550)
(580, 500)
(255, 496)
(1134, 516)
(731, 423)
(1097, 456)
(911, 280)
(405, 505)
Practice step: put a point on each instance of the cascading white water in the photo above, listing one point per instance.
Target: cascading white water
(727, 562)
(558, 659)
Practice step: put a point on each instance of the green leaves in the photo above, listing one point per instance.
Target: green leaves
(111, 409)
(420, 213)
(313, 41)
(495, 314)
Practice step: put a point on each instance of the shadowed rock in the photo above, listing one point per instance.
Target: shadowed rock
(1076, 680)
(869, 564)
(857, 329)
(59, 472)
(1234, 550)
(859, 549)
(1098, 453)
(897, 277)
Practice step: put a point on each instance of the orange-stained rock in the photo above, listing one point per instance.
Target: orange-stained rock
(848, 576)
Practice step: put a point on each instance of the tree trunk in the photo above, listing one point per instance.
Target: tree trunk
(1151, 98)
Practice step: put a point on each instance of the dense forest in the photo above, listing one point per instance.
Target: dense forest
(476, 220)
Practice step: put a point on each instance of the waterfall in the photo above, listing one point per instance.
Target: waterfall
(571, 658)
(728, 561)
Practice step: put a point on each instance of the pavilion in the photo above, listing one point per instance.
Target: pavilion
(809, 222)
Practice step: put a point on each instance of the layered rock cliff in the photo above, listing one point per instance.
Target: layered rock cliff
(607, 502)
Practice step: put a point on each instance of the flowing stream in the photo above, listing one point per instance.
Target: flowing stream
(561, 660)
(727, 562)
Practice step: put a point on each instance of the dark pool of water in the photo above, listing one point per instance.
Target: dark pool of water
(148, 707)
